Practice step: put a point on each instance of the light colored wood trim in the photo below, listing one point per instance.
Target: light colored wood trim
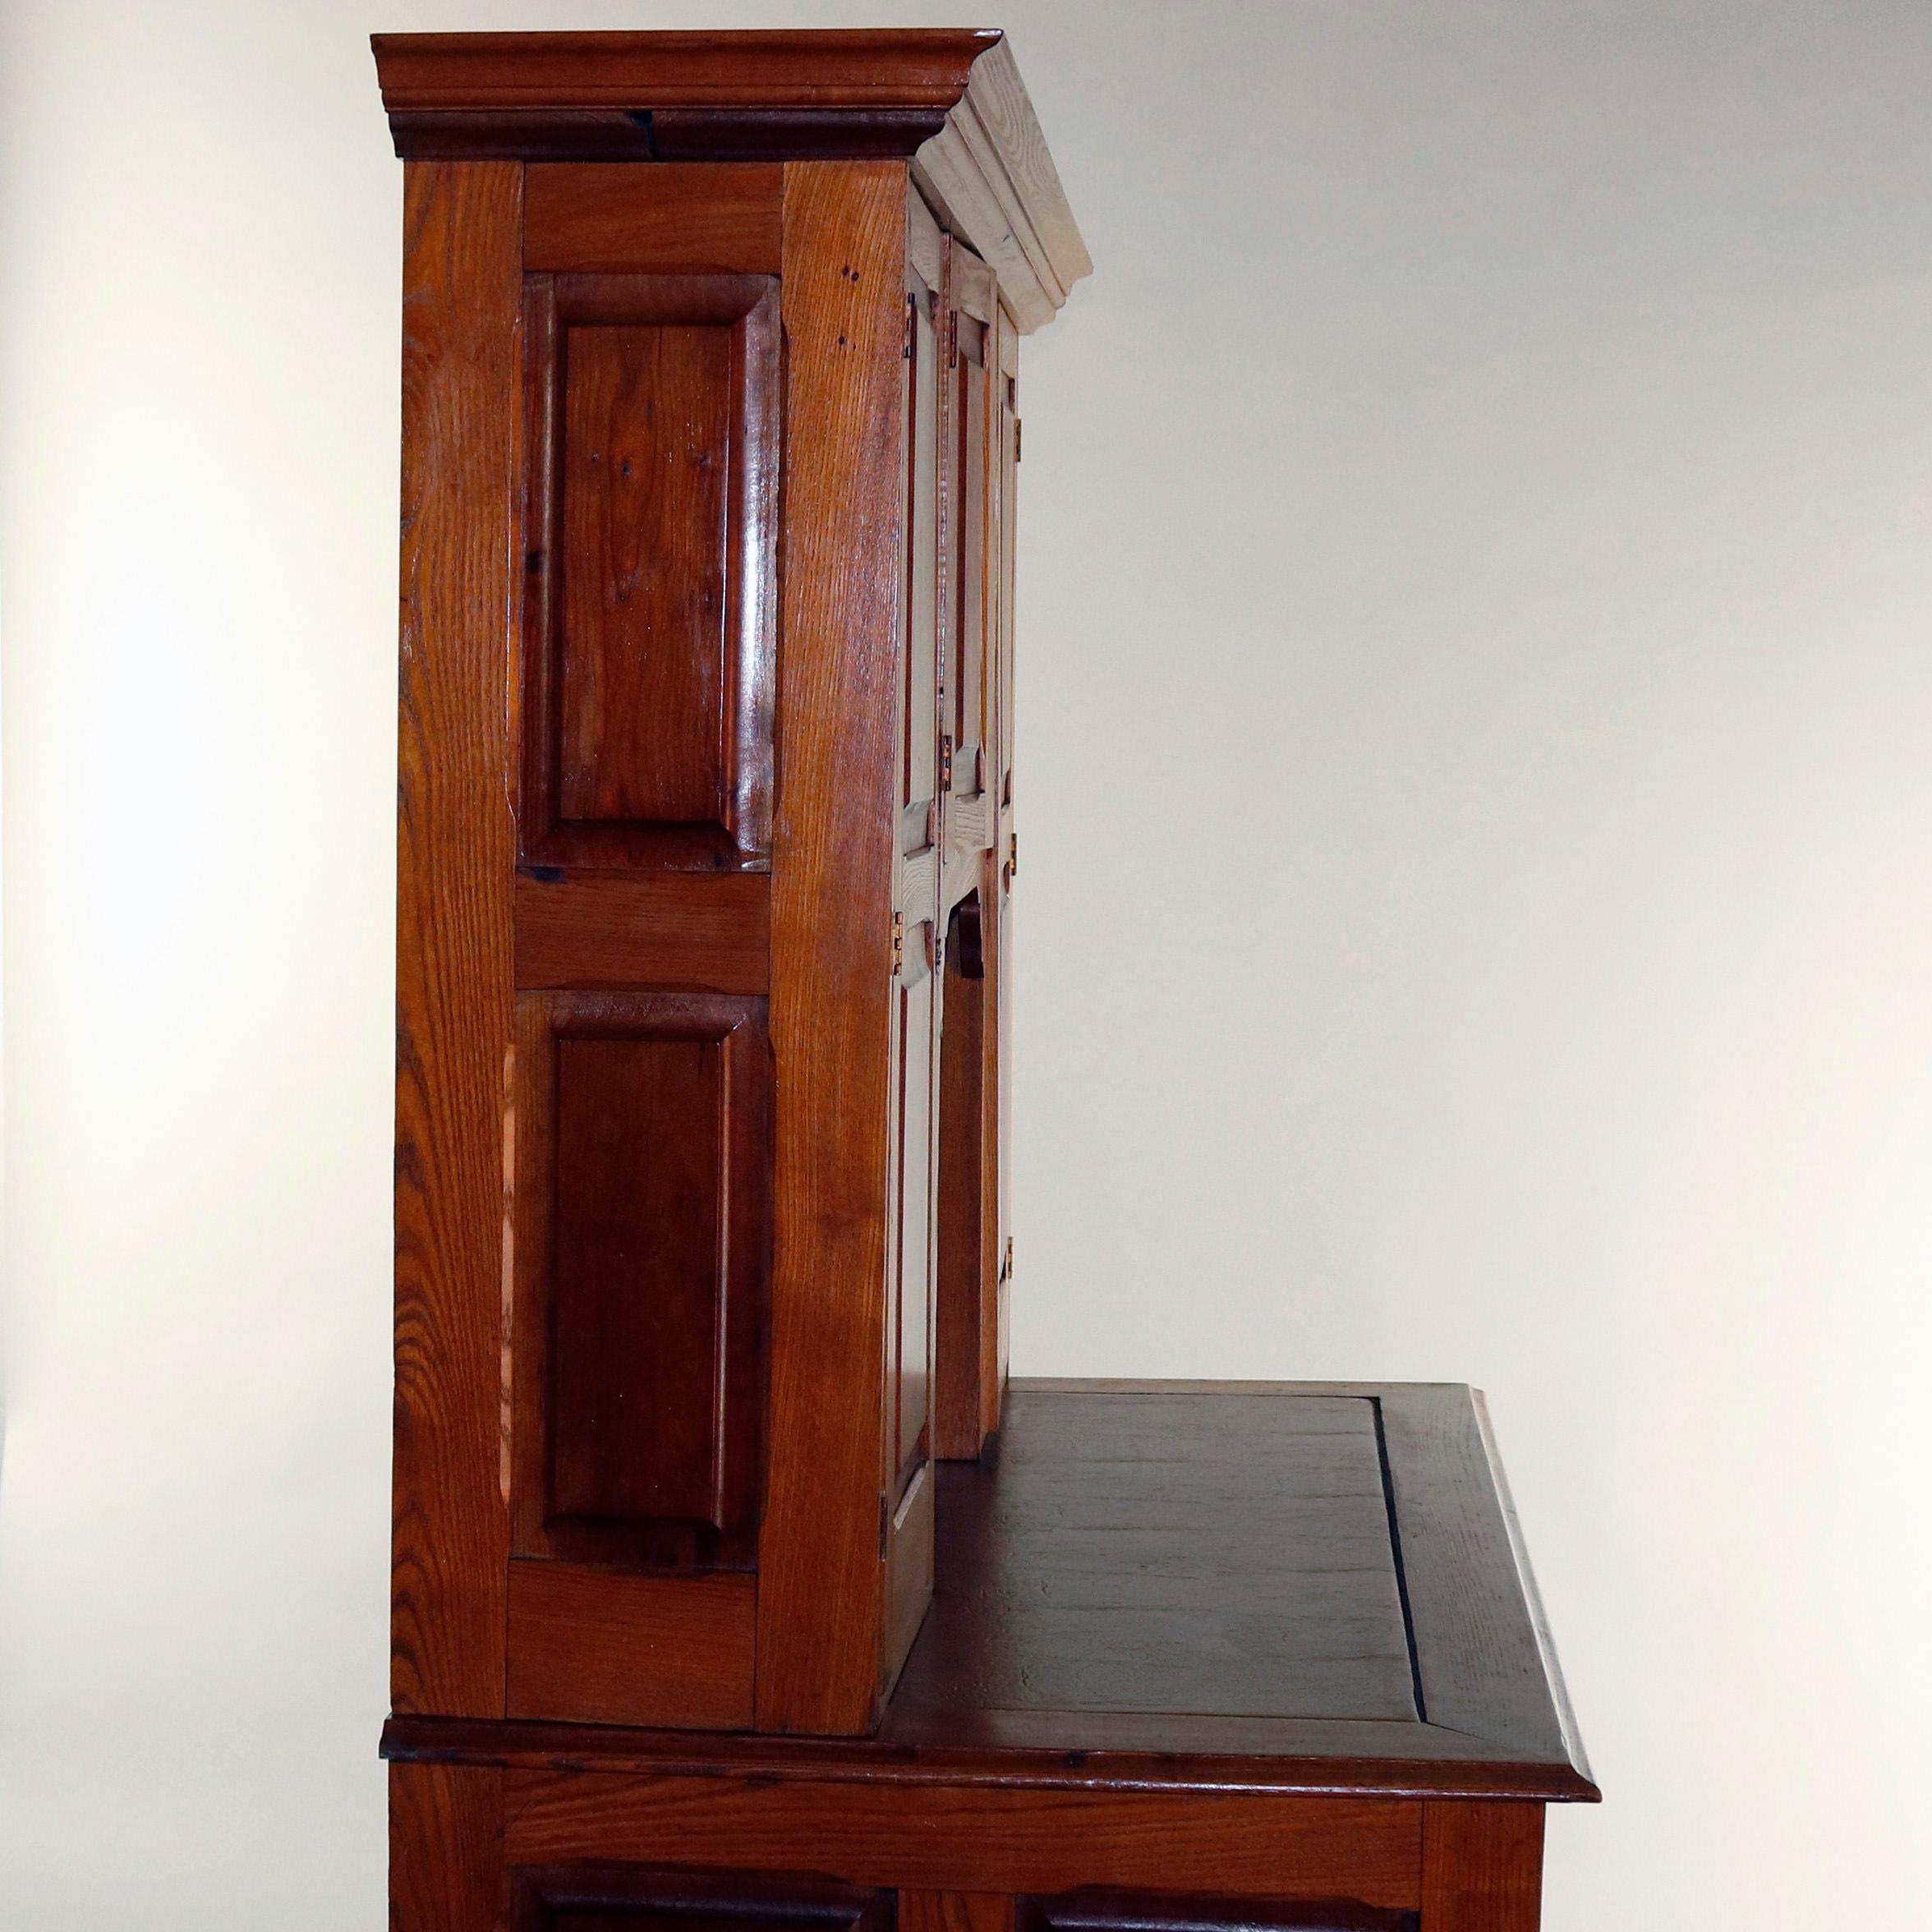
(991, 179)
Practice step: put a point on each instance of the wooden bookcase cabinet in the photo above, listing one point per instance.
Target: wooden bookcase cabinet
(705, 860)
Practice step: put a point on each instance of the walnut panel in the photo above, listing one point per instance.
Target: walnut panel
(650, 492)
(642, 1246)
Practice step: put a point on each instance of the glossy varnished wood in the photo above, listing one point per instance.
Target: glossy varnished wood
(978, 1839)
(445, 1849)
(1482, 1868)
(642, 1259)
(649, 592)
(823, 1581)
(455, 854)
(677, 931)
(948, 101)
(593, 1645)
(616, 219)
(966, 1713)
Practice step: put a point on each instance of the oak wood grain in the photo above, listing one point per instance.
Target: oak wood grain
(445, 1849)
(946, 1838)
(677, 218)
(648, 637)
(589, 1645)
(1482, 1868)
(1027, 1751)
(820, 1667)
(679, 931)
(955, 1912)
(455, 852)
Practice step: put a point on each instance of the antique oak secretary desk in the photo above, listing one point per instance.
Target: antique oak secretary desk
(735, 1591)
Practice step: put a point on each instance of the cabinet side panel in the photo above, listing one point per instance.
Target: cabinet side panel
(820, 1602)
(446, 1849)
(455, 862)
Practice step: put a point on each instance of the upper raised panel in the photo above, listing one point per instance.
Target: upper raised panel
(649, 617)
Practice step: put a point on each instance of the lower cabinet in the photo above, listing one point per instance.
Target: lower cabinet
(692, 1846)
(605, 1897)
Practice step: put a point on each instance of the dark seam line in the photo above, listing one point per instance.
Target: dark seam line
(1388, 1501)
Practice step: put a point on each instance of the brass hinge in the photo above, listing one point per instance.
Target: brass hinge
(898, 944)
(952, 339)
(945, 764)
(1016, 438)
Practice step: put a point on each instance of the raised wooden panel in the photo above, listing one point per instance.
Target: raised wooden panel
(642, 1243)
(1106, 1909)
(606, 1898)
(617, 217)
(638, 1282)
(650, 570)
(641, 449)
(592, 1645)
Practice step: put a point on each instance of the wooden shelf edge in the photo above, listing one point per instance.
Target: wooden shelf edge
(528, 1746)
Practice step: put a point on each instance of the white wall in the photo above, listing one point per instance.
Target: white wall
(1477, 809)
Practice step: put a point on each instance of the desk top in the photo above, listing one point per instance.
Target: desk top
(1311, 1587)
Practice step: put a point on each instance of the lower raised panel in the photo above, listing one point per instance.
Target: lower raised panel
(641, 1235)
(608, 1897)
(1101, 1909)
(595, 1646)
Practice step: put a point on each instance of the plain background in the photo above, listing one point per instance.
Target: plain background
(1477, 705)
